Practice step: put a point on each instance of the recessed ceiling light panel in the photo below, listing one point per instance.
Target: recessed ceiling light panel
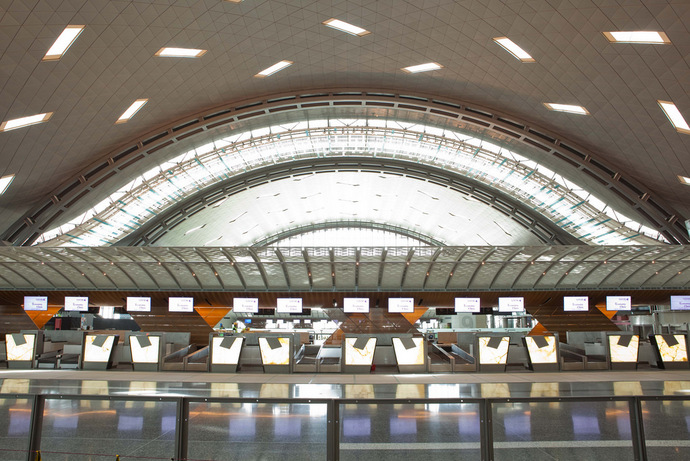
(346, 27)
(684, 180)
(63, 42)
(25, 121)
(568, 108)
(512, 48)
(131, 111)
(168, 52)
(5, 182)
(638, 36)
(277, 67)
(429, 66)
(674, 116)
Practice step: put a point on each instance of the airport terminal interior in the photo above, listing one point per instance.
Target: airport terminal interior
(344, 229)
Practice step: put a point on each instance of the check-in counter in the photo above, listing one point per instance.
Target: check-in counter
(410, 354)
(306, 358)
(358, 353)
(463, 360)
(98, 351)
(492, 352)
(671, 351)
(224, 353)
(439, 360)
(329, 359)
(542, 352)
(147, 351)
(623, 349)
(22, 349)
(276, 353)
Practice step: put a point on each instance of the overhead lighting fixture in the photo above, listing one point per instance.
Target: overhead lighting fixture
(167, 52)
(277, 67)
(133, 109)
(568, 108)
(234, 1)
(5, 182)
(639, 36)
(429, 66)
(63, 42)
(674, 116)
(345, 27)
(683, 180)
(25, 121)
(512, 48)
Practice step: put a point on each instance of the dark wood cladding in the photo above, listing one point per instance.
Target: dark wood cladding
(13, 319)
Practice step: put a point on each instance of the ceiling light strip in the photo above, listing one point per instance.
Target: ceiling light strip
(63, 43)
(346, 27)
(674, 116)
(277, 67)
(427, 67)
(170, 52)
(25, 121)
(131, 111)
(512, 48)
(642, 37)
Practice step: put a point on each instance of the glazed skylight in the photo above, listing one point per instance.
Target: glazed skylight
(563, 202)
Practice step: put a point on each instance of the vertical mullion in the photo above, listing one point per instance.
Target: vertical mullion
(37, 407)
(637, 429)
(182, 429)
(486, 432)
(333, 430)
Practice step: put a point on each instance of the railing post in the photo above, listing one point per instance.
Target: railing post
(486, 432)
(637, 429)
(36, 426)
(182, 429)
(333, 430)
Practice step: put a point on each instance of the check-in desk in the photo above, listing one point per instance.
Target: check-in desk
(542, 352)
(410, 354)
(146, 350)
(224, 353)
(306, 358)
(276, 353)
(670, 350)
(22, 348)
(492, 352)
(439, 361)
(329, 359)
(624, 350)
(463, 361)
(358, 353)
(97, 352)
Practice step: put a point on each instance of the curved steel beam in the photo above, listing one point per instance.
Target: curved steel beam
(650, 208)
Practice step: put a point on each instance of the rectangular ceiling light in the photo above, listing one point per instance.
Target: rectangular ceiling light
(168, 52)
(674, 116)
(571, 109)
(639, 36)
(512, 48)
(274, 68)
(25, 121)
(133, 109)
(63, 42)
(684, 180)
(422, 68)
(5, 182)
(346, 27)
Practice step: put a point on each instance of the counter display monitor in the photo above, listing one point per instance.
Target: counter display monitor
(400, 305)
(225, 350)
(493, 350)
(180, 304)
(245, 305)
(672, 348)
(409, 351)
(624, 348)
(145, 348)
(275, 351)
(359, 351)
(35, 303)
(680, 303)
(575, 303)
(289, 305)
(542, 349)
(77, 303)
(618, 303)
(138, 304)
(467, 305)
(356, 305)
(20, 347)
(511, 304)
(97, 348)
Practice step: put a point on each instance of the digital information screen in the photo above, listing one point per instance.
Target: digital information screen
(680, 303)
(511, 304)
(356, 305)
(275, 351)
(400, 305)
(624, 348)
(138, 304)
(77, 303)
(226, 350)
(467, 305)
(97, 348)
(575, 303)
(493, 350)
(245, 305)
(672, 348)
(542, 349)
(144, 348)
(20, 347)
(288, 306)
(409, 351)
(618, 303)
(35, 303)
(359, 352)
(180, 304)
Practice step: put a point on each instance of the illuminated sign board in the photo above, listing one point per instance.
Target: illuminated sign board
(245, 305)
(145, 349)
(180, 304)
(138, 304)
(97, 348)
(356, 305)
(275, 351)
(493, 350)
(77, 303)
(618, 303)
(400, 305)
(409, 351)
(289, 306)
(680, 303)
(542, 349)
(575, 303)
(511, 304)
(35, 303)
(359, 351)
(226, 350)
(624, 348)
(467, 304)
